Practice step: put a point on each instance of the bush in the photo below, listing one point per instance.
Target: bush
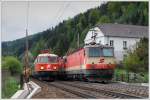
(146, 77)
(12, 64)
(10, 87)
(137, 59)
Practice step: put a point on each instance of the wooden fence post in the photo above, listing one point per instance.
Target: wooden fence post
(127, 76)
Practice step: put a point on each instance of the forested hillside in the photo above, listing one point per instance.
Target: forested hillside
(63, 37)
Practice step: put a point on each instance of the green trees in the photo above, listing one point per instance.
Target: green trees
(94, 16)
(114, 10)
(38, 47)
(137, 60)
(12, 64)
(104, 19)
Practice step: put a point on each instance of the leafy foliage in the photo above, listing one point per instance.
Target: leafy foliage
(12, 64)
(104, 19)
(63, 37)
(137, 60)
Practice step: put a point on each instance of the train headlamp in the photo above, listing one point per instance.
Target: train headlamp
(48, 66)
(42, 67)
(54, 67)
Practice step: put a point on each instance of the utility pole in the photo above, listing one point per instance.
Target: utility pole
(26, 50)
(26, 70)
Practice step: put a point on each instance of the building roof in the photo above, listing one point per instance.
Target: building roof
(121, 30)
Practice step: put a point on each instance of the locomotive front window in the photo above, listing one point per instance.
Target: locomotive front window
(43, 59)
(47, 59)
(108, 52)
(94, 52)
(52, 59)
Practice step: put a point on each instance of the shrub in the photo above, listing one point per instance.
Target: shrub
(137, 59)
(12, 64)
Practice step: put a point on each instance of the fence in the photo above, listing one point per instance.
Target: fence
(130, 78)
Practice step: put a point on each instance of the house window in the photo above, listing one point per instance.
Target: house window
(111, 43)
(124, 56)
(124, 44)
(99, 42)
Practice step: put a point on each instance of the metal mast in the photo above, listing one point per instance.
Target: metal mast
(27, 58)
(26, 67)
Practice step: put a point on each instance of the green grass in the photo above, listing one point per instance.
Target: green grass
(10, 87)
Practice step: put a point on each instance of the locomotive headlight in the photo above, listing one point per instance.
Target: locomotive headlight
(54, 67)
(48, 66)
(42, 67)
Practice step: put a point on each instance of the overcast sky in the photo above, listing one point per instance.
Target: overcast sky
(42, 15)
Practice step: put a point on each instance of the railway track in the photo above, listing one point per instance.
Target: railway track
(113, 94)
(142, 91)
(73, 90)
(87, 90)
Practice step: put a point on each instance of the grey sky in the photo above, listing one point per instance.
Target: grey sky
(42, 15)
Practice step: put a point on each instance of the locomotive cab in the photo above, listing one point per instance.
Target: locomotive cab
(99, 62)
(46, 66)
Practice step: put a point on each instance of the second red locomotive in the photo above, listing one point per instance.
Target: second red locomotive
(46, 66)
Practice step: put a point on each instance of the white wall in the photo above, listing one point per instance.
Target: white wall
(99, 37)
(118, 42)
(118, 45)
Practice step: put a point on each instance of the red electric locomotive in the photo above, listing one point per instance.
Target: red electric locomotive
(46, 66)
(91, 63)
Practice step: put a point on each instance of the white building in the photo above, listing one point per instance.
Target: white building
(120, 36)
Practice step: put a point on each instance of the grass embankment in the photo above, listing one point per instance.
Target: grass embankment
(10, 87)
(10, 83)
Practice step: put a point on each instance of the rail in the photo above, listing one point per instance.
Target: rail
(113, 94)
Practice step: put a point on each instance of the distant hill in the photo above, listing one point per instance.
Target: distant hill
(63, 37)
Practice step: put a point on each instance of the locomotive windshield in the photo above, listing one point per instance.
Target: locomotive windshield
(99, 52)
(43, 59)
(94, 52)
(107, 52)
(46, 59)
(52, 59)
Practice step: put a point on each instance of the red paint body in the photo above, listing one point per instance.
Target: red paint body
(81, 65)
(75, 59)
(46, 65)
(79, 58)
